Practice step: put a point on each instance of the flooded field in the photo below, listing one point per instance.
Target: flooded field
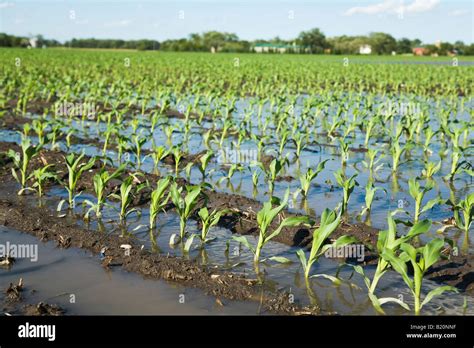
(74, 280)
(333, 188)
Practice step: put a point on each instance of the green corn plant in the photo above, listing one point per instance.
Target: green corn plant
(235, 167)
(421, 260)
(370, 126)
(255, 175)
(111, 129)
(26, 130)
(370, 191)
(347, 186)
(159, 152)
(69, 135)
(101, 180)
(225, 129)
(40, 176)
(283, 140)
(155, 118)
(299, 141)
(431, 169)
(429, 134)
(388, 241)
(206, 138)
(275, 167)
(126, 198)
(75, 169)
(209, 220)
(330, 220)
(39, 126)
(265, 219)
(21, 162)
(204, 162)
(466, 207)
(187, 170)
(371, 164)
(158, 200)
(137, 146)
(417, 192)
(184, 206)
(53, 135)
(306, 179)
(177, 156)
(396, 150)
(135, 123)
(456, 163)
(344, 146)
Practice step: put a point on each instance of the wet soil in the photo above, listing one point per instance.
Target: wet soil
(13, 302)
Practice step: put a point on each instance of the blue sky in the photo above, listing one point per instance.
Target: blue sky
(428, 20)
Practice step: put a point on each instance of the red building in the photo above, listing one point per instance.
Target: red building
(420, 51)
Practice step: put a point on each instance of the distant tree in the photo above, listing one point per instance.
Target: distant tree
(416, 43)
(445, 48)
(404, 45)
(347, 44)
(213, 40)
(314, 39)
(469, 50)
(382, 43)
(431, 49)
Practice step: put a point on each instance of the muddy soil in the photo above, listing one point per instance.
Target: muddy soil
(14, 296)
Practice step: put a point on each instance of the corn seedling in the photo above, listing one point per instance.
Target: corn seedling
(204, 162)
(100, 180)
(75, 169)
(39, 126)
(136, 148)
(347, 186)
(388, 241)
(21, 162)
(208, 220)
(184, 206)
(265, 218)
(370, 191)
(330, 220)
(431, 169)
(158, 200)
(417, 192)
(421, 260)
(344, 146)
(274, 169)
(126, 198)
(306, 179)
(177, 156)
(371, 164)
(40, 176)
(466, 207)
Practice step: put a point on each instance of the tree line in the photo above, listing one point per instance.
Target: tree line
(311, 41)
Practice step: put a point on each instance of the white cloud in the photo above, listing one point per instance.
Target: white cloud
(421, 6)
(457, 13)
(121, 23)
(394, 6)
(6, 4)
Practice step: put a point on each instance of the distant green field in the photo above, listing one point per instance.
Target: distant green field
(243, 74)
